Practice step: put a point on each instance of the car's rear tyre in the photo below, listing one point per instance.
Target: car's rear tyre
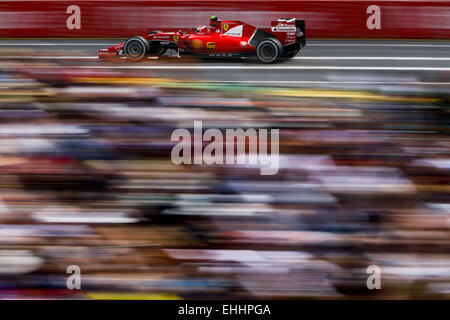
(136, 48)
(268, 50)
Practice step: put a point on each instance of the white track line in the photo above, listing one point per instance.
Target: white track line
(266, 67)
(308, 44)
(18, 44)
(376, 45)
(375, 58)
(296, 58)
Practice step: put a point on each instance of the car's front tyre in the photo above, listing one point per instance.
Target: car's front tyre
(136, 48)
(268, 50)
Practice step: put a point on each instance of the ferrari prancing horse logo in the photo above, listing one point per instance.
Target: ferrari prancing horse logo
(210, 45)
(175, 38)
(226, 27)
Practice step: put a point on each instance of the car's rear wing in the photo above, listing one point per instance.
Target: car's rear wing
(295, 29)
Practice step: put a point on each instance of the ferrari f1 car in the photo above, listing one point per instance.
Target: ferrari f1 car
(220, 39)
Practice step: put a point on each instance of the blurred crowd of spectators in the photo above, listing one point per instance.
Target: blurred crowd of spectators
(87, 180)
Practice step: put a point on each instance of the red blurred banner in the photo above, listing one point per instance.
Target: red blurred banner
(324, 19)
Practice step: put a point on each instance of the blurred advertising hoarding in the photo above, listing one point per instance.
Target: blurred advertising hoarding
(325, 19)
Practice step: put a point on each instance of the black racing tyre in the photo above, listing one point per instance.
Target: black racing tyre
(268, 50)
(136, 48)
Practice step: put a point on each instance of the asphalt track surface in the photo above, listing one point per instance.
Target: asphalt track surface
(341, 62)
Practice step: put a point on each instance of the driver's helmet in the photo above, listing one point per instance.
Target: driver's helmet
(214, 21)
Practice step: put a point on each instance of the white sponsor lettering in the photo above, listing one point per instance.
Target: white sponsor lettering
(234, 32)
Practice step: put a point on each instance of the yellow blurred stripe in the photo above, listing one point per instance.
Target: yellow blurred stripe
(287, 92)
(360, 95)
(434, 188)
(23, 93)
(15, 99)
(13, 84)
(126, 80)
(132, 296)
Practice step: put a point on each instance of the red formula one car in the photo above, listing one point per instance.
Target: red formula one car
(221, 39)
